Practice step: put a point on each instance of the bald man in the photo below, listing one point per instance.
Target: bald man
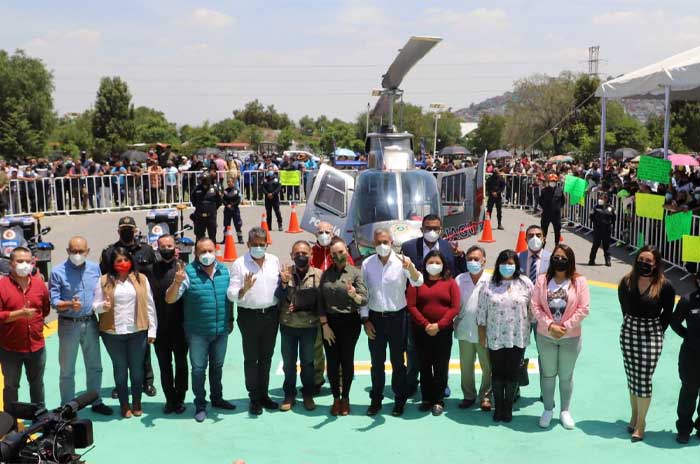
(71, 288)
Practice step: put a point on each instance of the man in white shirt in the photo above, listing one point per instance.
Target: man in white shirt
(254, 279)
(384, 318)
(467, 331)
(535, 260)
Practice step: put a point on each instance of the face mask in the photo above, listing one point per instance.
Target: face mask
(697, 196)
(301, 261)
(77, 259)
(560, 264)
(324, 239)
(644, 269)
(23, 269)
(383, 250)
(431, 236)
(207, 259)
(552, 184)
(434, 269)
(601, 202)
(126, 235)
(122, 267)
(167, 253)
(506, 270)
(257, 252)
(535, 244)
(340, 260)
(669, 196)
(474, 267)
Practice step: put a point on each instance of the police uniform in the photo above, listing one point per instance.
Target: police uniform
(688, 311)
(603, 218)
(551, 201)
(206, 201)
(272, 188)
(495, 185)
(232, 211)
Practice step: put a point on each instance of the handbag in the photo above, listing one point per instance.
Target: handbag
(524, 378)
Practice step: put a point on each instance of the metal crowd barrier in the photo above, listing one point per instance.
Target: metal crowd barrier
(521, 192)
(114, 192)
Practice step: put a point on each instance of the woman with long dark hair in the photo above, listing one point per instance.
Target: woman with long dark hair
(127, 322)
(504, 328)
(559, 303)
(433, 306)
(646, 299)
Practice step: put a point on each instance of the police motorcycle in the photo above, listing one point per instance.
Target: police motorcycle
(161, 222)
(25, 231)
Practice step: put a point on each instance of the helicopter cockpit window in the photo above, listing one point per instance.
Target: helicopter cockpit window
(419, 195)
(332, 196)
(375, 196)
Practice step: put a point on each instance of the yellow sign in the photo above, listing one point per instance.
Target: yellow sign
(290, 178)
(691, 249)
(649, 206)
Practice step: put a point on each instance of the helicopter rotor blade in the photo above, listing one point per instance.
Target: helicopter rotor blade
(411, 53)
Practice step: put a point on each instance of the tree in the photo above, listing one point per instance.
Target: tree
(151, 126)
(629, 132)
(73, 133)
(687, 116)
(113, 119)
(488, 135)
(253, 135)
(286, 137)
(26, 106)
(254, 113)
(228, 130)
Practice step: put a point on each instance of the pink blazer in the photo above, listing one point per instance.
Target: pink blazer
(576, 309)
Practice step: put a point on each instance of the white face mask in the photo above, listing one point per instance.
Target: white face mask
(207, 259)
(324, 239)
(78, 259)
(534, 244)
(383, 250)
(23, 269)
(552, 184)
(601, 202)
(431, 236)
(434, 269)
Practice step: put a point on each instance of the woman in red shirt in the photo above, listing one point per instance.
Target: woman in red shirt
(433, 306)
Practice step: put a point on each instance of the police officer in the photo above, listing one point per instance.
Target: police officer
(271, 189)
(551, 201)
(495, 185)
(688, 311)
(144, 259)
(232, 211)
(603, 217)
(206, 199)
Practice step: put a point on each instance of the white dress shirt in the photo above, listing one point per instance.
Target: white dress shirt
(386, 284)
(124, 307)
(426, 249)
(465, 325)
(262, 293)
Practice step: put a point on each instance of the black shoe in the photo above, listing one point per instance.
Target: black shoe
(591, 262)
(255, 408)
(466, 404)
(115, 395)
(240, 239)
(102, 409)
(223, 404)
(149, 390)
(397, 411)
(507, 412)
(267, 403)
(374, 408)
(425, 407)
(683, 438)
(608, 263)
(280, 228)
(180, 408)
(168, 408)
(500, 227)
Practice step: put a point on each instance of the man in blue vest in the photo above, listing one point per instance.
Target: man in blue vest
(208, 321)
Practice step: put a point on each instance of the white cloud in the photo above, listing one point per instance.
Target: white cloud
(55, 40)
(360, 14)
(84, 35)
(211, 18)
(480, 19)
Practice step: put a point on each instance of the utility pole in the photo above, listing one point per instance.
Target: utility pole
(367, 121)
(437, 108)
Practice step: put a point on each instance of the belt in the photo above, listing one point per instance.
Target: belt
(400, 312)
(78, 319)
(263, 311)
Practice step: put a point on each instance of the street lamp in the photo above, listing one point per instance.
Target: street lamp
(437, 108)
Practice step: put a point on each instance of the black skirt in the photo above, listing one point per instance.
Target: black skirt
(641, 341)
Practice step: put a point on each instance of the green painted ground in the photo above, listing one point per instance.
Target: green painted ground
(600, 407)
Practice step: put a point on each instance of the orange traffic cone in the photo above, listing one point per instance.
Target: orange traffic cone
(230, 254)
(294, 222)
(487, 234)
(521, 244)
(219, 253)
(263, 224)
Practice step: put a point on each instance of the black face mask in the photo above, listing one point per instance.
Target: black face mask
(127, 235)
(167, 253)
(560, 264)
(301, 261)
(644, 269)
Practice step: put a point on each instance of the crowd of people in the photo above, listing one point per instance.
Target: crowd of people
(412, 301)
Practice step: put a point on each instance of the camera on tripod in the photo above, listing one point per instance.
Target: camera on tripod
(61, 433)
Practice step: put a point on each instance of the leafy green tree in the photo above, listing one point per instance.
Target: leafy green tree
(286, 137)
(73, 133)
(629, 132)
(687, 116)
(113, 118)
(254, 113)
(151, 126)
(228, 130)
(488, 135)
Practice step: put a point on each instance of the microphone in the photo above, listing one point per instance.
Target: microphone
(78, 403)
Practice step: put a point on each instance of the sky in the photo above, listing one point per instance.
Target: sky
(200, 60)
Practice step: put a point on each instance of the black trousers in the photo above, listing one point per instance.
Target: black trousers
(258, 334)
(148, 376)
(555, 220)
(270, 205)
(689, 370)
(435, 363)
(498, 201)
(233, 214)
(505, 363)
(341, 354)
(204, 225)
(390, 329)
(173, 347)
(251, 192)
(60, 195)
(600, 237)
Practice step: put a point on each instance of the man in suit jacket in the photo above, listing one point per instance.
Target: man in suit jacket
(535, 260)
(416, 249)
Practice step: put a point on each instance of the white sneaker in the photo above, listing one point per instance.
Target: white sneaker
(566, 420)
(546, 418)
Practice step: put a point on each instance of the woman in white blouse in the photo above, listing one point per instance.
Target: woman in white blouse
(504, 319)
(127, 314)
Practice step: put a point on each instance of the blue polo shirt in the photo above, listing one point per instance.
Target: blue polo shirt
(68, 280)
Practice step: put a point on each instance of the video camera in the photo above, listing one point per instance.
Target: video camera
(61, 433)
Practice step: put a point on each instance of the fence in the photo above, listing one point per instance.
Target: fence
(66, 195)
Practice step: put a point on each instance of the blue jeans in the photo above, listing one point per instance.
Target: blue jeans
(74, 334)
(11, 363)
(212, 350)
(127, 352)
(301, 341)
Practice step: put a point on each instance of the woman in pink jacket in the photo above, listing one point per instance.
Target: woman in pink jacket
(559, 302)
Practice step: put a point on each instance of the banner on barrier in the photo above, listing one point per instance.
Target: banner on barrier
(290, 178)
(678, 225)
(649, 206)
(691, 249)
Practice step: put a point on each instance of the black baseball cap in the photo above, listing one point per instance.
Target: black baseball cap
(127, 221)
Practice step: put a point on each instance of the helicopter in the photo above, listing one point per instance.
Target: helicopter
(391, 193)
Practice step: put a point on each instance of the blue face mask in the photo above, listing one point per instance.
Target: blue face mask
(506, 270)
(474, 267)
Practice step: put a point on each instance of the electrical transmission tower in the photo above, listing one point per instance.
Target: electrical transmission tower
(593, 60)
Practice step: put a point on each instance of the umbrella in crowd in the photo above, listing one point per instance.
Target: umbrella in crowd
(134, 156)
(454, 150)
(346, 152)
(683, 160)
(658, 153)
(625, 153)
(498, 154)
(560, 159)
(207, 151)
